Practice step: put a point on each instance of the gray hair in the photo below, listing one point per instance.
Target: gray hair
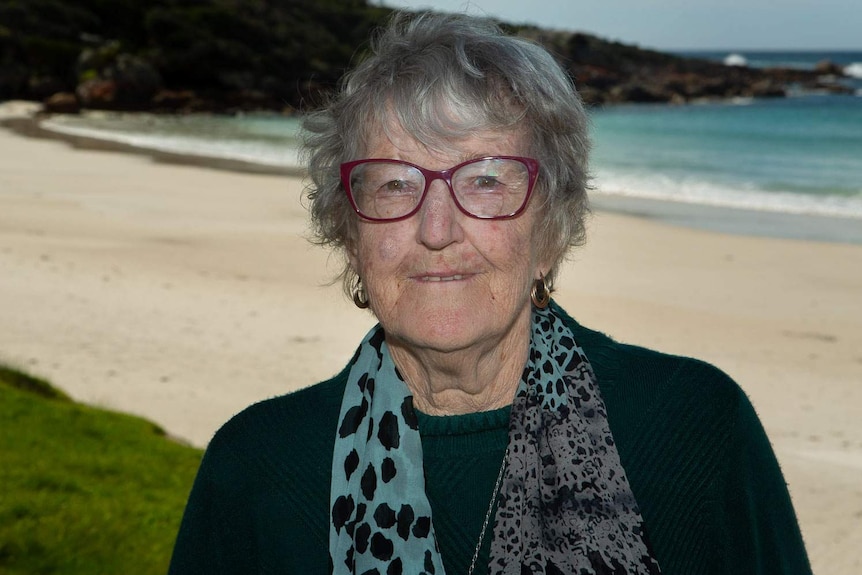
(441, 77)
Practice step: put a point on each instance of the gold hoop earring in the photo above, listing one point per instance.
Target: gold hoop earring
(360, 298)
(540, 294)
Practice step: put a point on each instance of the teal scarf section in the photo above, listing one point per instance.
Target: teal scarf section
(381, 517)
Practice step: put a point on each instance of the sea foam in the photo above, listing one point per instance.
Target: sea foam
(853, 70)
(746, 197)
(735, 60)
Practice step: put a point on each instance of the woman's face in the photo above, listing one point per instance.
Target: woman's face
(441, 280)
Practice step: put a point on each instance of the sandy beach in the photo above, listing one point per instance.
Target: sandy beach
(184, 293)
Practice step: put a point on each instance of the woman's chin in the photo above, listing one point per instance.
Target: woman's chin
(449, 322)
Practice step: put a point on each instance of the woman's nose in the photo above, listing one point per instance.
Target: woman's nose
(439, 218)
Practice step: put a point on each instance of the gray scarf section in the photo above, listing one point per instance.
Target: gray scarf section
(565, 503)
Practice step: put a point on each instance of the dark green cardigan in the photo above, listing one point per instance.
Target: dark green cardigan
(700, 465)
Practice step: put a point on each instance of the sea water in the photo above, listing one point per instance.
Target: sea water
(799, 156)
(265, 139)
(789, 167)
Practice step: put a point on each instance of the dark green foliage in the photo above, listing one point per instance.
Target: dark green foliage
(83, 490)
(40, 38)
(200, 46)
(280, 49)
(50, 18)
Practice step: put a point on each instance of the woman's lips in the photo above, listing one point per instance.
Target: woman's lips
(441, 276)
(450, 278)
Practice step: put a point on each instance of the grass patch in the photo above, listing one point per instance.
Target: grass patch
(84, 490)
(25, 382)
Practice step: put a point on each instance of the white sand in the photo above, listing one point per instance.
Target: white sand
(184, 294)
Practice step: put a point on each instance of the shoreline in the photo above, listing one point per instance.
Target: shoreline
(183, 294)
(729, 220)
(29, 127)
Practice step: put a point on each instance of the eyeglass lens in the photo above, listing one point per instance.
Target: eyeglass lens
(485, 188)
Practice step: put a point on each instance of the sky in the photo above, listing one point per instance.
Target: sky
(682, 24)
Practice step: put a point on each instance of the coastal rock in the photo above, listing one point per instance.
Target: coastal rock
(176, 101)
(137, 80)
(637, 93)
(126, 82)
(97, 93)
(250, 100)
(62, 103)
(698, 87)
(767, 88)
(592, 96)
(828, 67)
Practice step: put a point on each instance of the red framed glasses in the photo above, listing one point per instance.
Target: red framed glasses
(489, 188)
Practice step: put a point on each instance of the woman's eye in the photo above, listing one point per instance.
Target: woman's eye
(395, 187)
(486, 182)
(482, 184)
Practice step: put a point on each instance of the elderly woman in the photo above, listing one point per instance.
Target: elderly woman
(478, 427)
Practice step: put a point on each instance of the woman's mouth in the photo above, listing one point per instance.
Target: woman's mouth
(442, 278)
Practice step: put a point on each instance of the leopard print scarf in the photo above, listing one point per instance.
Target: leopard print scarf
(565, 504)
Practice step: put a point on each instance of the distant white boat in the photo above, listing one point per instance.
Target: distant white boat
(735, 60)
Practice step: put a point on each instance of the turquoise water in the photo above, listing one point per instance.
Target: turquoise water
(794, 155)
(799, 155)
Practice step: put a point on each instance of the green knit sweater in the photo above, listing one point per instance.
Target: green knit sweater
(700, 465)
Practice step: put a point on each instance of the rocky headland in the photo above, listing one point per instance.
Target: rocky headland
(285, 55)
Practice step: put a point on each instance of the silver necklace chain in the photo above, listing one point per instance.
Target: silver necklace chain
(487, 520)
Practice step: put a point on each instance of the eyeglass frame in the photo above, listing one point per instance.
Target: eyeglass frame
(531, 164)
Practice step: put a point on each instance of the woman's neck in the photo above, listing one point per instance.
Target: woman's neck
(481, 378)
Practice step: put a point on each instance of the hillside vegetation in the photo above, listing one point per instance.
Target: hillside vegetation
(225, 55)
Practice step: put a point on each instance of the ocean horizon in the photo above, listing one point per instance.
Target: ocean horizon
(799, 156)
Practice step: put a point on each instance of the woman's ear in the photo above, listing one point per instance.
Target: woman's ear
(542, 271)
(352, 258)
